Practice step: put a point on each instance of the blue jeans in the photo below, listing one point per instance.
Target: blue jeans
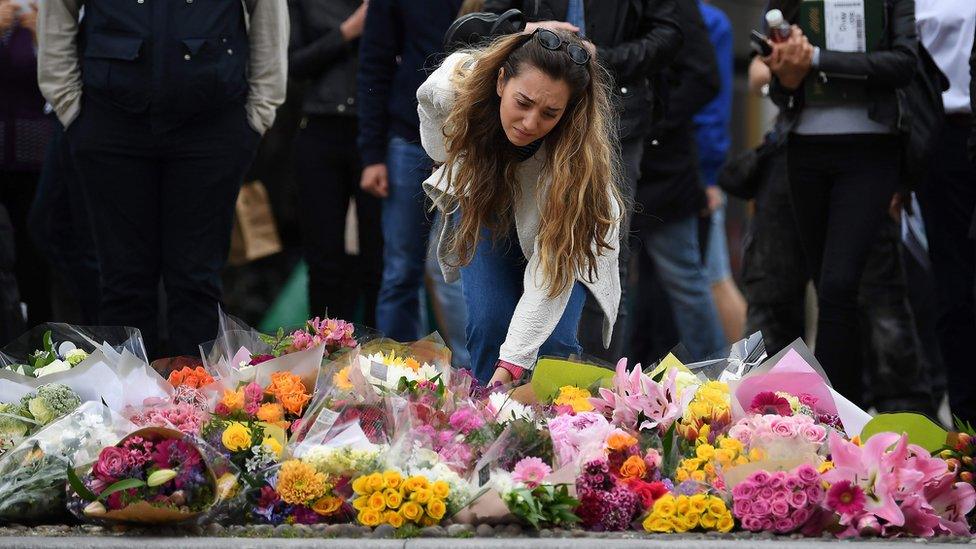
(406, 234)
(717, 266)
(675, 250)
(492, 287)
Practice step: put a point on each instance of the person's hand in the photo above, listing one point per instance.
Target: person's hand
(551, 25)
(28, 19)
(501, 376)
(352, 27)
(716, 199)
(8, 13)
(374, 180)
(791, 60)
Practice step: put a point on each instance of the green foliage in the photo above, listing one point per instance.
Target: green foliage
(544, 506)
(279, 342)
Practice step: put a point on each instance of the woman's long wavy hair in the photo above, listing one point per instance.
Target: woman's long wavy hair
(582, 202)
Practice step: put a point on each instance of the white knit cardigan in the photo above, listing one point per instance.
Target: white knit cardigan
(536, 315)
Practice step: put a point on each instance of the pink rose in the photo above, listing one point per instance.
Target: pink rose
(807, 474)
(784, 524)
(653, 459)
(814, 493)
(251, 408)
(815, 433)
(112, 463)
(784, 427)
(766, 493)
(767, 524)
(794, 483)
(253, 392)
(778, 480)
(759, 477)
(780, 508)
(782, 494)
(741, 508)
(801, 516)
(807, 399)
(742, 433)
(760, 507)
(798, 499)
(744, 490)
(751, 523)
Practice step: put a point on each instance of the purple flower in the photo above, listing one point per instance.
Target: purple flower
(304, 515)
(814, 493)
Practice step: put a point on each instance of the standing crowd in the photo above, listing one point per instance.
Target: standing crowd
(550, 174)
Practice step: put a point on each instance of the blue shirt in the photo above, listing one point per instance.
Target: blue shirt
(712, 122)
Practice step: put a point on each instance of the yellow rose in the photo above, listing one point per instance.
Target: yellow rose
(755, 454)
(682, 505)
(233, 400)
(419, 483)
(236, 437)
(436, 509)
(725, 523)
(359, 486)
(724, 456)
(709, 469)
(375, 482)
(441, 489)
(327, 506)
(393, 498)
(394, 519)
(665, 506)
(691, 520)
(717, 507)
(741, 460)
(698, 476)
(393, 479)
(422, 496)
(412, 511)
(655, 523)
(705, 451)
(681, 475)
(681, 524)
(377, 502)
(360, 503)
(708, 521)
(369, 517)
(273, 445)
(698, 503)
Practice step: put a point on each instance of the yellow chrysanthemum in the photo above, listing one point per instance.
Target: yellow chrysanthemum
(299, 483)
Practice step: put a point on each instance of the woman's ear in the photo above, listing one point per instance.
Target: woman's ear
(500, 83)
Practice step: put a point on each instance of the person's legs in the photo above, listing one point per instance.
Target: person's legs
(17, 190)
(492, 286)
(322, 153)
(370, 260)
(117, 166)
(674, 248)
(591, 323)
(948, 199)
(450, 307)
(406, 230)
(862, 177)
(206, 161)
(728, 299)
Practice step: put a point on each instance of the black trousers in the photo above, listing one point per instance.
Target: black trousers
(841, 187)
(328, 171)
(60, 226)
(162, 207)
(948, 199)
(591, 323)
(33, 273)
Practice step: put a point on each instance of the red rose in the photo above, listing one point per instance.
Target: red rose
(648, 492)
(112, 464)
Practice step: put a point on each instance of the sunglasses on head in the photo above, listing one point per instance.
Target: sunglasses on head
(552, 42)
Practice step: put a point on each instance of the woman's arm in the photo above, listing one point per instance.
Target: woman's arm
(435, 98)
(58, 71)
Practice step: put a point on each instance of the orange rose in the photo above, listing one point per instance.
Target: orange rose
(233, 400)
(327, 506)
(633, 468)
(271, 413)
(285, 383)
(294, 402)
(187, 377)
(620, 440)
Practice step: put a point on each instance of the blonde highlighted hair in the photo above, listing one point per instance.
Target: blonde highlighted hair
(580, 205)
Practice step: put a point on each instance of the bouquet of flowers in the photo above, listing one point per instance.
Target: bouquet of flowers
(781, 502)
(637, 402)
(297, 492)
(392, 498)
(528, 496)
(958, 453)
(152, 476)
(52, 348)
(33, 474)
(683, 513)
(33, 411)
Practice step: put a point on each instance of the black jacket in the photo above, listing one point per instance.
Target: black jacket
(318, 54)
(891, 67)
(972, 99)
(635, 39)
(403, 40)
(670, 187)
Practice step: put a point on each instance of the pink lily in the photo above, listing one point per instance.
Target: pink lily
(867, 467)
(951, 501)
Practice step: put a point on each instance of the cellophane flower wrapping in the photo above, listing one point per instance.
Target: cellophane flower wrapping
(64, 346)
(33, 474)
(154, 475)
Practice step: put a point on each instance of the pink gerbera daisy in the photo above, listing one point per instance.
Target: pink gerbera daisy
(530, 471)
(769, 402)
(845, 498)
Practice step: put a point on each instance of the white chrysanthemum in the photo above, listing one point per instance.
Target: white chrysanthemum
(505, 409)
(395, 369)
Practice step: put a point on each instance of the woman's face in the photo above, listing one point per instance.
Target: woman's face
(532, 104)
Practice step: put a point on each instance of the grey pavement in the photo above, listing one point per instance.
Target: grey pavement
(644, 542)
